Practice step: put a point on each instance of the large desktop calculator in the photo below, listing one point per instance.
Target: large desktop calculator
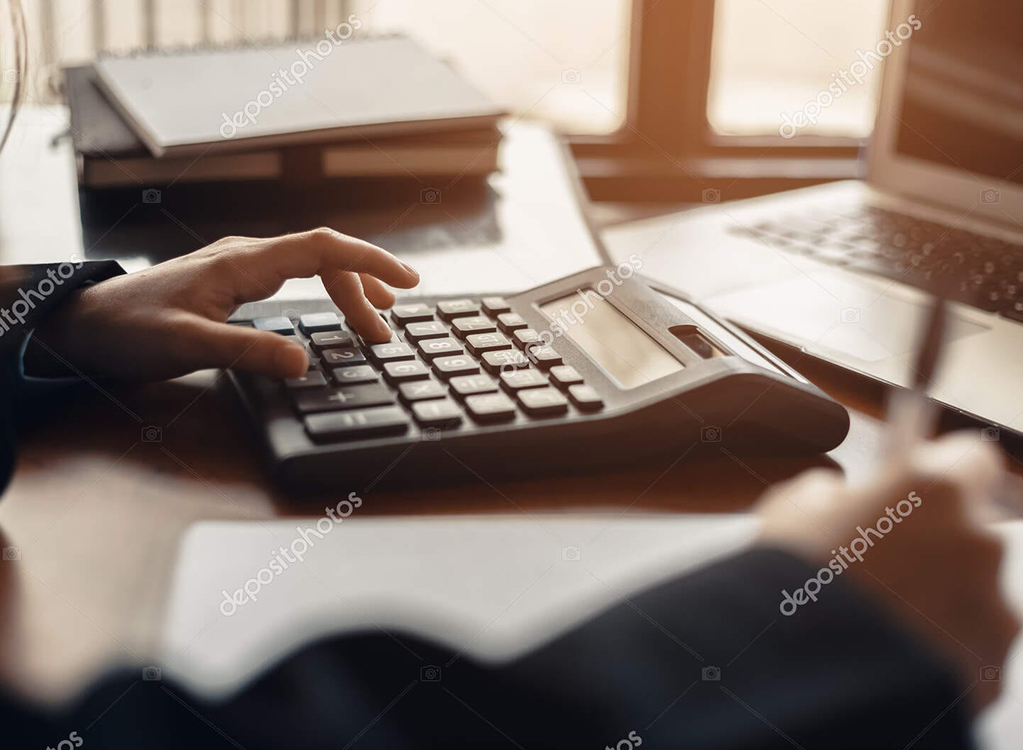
(600, 369)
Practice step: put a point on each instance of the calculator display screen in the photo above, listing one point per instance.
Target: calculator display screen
(623, 350)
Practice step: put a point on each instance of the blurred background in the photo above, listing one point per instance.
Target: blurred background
(766, 56)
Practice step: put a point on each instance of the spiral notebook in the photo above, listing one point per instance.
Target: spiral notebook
(211, 101)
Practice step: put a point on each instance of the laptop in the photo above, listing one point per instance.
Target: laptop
(845, 271)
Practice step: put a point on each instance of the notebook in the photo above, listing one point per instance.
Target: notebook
(203, 102)
(110, 155)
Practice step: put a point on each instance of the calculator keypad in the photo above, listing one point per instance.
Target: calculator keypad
(456, 360)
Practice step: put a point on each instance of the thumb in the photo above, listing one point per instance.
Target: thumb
(243, 348)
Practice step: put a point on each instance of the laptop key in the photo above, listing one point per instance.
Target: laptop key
(443, 413)
(331, 340)
(542, 402)
(430, 349)
(478, 343)
(522, 379)
(312, 379)
(342, 357)
(354, 375)
(457, 308)
(393, 352)
(401, 372)
(449, 367)
(338, 399)
(402, 315)
(319, 323)
(433, 329)
(421, 390)
(472, 385)
(278, 324)
(492, 407)
(495, 305)
(355, 424)
(463, 327)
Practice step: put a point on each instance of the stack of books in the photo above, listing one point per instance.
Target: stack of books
(377, 107)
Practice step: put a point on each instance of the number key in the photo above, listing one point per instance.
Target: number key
(449, 367)
(343, 357)
(401, 372)
(355, 374)
(433, 348)
(433, 329)
(391, 352)
(457, 308)
(331, 340)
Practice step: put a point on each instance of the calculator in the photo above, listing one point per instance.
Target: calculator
(602, 369)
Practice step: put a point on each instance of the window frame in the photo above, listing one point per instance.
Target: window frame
(666, 149)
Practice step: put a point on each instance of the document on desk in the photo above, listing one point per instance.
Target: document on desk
(493, 587)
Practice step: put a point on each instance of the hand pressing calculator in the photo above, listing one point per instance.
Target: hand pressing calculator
(602, 369)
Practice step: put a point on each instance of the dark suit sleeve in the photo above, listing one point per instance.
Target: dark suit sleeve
(27, 295)
(704, 661)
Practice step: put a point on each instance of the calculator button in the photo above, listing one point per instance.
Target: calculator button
(402, 315)
(506, 359)
(542, 402)
(449, 367)
(510, 322)
(353, 424)
(585, 397)
(457, 308)
(565, 375)
(472, 385)
(521, 379)
(525, 337)
(433, 348)
(331, 340)
(342, 357)
(421, 390)
(495, 305)
(401, 372)
(475, 324)
(277, 324)
(478, 343)
(544, 357)
(337, 399)
(433, 329)
(353, 375)
(313, 379)
(394, 352)
(437, 413)
(319, 323)
(491, 407)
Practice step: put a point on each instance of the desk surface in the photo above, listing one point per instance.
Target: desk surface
(97, 512)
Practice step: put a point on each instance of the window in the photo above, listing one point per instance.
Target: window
(773, 56)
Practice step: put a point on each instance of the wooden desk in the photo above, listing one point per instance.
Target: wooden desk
(96, 509)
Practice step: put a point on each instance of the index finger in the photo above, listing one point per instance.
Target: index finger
(319, 250)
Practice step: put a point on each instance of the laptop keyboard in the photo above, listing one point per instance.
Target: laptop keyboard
(980, 271)
(456, 360)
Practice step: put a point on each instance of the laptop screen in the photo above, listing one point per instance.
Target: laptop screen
(963, 95)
